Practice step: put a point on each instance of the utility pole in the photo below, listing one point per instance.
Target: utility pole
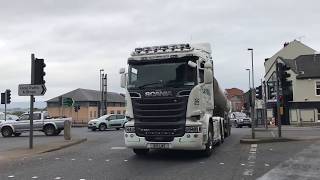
(101, 91)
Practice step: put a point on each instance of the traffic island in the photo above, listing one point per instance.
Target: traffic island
(38, 149)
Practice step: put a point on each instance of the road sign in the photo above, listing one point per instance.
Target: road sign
(68, 102)
(30, 89)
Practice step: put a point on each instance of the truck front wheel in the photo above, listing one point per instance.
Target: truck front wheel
(49, 130)
(209, 145)
(140, 152)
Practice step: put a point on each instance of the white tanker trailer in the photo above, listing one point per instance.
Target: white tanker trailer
(173, 100)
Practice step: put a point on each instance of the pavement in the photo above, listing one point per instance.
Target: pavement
(18, 147)
(104, 156)
(288, 133)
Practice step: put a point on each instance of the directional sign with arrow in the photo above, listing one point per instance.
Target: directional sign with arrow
(30, 89)
(68, 102)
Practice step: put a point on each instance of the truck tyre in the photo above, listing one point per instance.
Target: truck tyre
(6, 132)
(141, 152)
(16, 134)
(117, 128)
(102, 127)
(49, 130)
(209, 145)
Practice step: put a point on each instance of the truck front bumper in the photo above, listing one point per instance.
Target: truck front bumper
(190, 141)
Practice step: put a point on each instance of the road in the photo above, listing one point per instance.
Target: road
(104, 156)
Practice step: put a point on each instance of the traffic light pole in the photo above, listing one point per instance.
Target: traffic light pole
(278, 101)
(5, 106)
(31, 104)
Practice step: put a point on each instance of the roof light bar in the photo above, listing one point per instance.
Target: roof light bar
(162, 49)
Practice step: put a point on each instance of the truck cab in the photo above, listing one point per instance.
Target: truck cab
(170, 99)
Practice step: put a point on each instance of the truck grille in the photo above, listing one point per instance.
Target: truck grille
(159, 116)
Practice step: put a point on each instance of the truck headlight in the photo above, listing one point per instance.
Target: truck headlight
(193, 129)
(130, 129)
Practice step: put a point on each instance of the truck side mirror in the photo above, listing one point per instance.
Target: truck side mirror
(122, 71)
(123, 80)
(192, 64)
(123, 77)
(208, 75)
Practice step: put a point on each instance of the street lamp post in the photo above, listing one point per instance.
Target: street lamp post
(101, 90)
(253, 95)
(249, 78)
(105, 90)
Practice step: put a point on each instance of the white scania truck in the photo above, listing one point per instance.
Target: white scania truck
(173, 100)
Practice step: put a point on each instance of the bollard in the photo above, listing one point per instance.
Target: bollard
(67, 130)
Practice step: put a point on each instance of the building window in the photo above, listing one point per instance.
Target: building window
(111, 112)
(318, 114)
(118, 112)
(90, 114)
(318, 88)
(95, 113)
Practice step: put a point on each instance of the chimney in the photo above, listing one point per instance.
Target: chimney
(285, 44)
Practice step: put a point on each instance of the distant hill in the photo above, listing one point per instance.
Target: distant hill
(23, 106)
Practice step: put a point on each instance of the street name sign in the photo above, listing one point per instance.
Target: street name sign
(32, 89)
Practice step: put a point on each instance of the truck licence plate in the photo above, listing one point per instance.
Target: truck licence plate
(158, 146)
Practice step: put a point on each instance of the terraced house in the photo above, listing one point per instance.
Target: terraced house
(302, 105)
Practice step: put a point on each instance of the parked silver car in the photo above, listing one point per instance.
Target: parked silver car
(42, 122)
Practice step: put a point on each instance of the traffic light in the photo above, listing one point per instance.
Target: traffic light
(259, 92)
(283, 77)
(76, 108)
(39, 73)
(3, 98)
(8, 96)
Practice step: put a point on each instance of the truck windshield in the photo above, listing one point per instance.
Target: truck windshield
(169, 74)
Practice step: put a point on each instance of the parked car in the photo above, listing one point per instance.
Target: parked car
(10, 117)
(240, 119)
(41, 122)
(107, 121)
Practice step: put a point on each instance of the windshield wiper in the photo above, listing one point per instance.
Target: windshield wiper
(148, 84)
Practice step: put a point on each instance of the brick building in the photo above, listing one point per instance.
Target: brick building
(89, 101)
(236, 97)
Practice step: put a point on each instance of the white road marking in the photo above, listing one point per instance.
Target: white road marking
(201, 162)
(40, 158)
(272, 134)
(221, 163)
(125, 160)
(82, 179)
(107, 160)
(34, 177)
(270, 149)
(11, 176)
(251, 160)
(267, 165)
(118, 148)
(58, 178)
(57, 158)
(90, 159)
(243, 164)
(73, 159)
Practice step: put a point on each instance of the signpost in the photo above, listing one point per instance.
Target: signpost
(35, 88)
(32, 89)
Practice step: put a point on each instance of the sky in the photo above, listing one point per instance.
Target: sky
(78, 37)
